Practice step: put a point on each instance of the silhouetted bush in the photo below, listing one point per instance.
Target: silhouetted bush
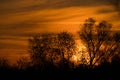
(4, 63)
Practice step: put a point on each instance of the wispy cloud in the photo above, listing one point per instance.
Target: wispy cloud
(13, 6)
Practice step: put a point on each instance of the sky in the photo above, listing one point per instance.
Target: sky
(19, 19)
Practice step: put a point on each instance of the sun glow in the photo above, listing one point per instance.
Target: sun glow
(80, 54)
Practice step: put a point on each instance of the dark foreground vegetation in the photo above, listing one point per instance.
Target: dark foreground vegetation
(51, 56)
(103, 72)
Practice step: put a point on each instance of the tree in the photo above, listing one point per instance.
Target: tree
(51, 48)
(67, 46)
(99, 41)
(39, 47)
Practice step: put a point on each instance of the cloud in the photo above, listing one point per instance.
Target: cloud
(108, 9)
(105, 11)
(10, 45)
(15, 6)
(19, 29)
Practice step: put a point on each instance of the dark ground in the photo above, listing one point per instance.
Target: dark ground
(105, 72)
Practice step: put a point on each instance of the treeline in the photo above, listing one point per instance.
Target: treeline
(51, 55)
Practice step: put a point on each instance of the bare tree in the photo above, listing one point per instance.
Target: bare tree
(66, 45)
(99, 41)
(51, 48)
(40, 47)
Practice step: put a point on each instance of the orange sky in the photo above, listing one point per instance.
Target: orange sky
(21, 18)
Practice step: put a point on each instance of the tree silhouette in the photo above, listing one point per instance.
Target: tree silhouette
(4, 63)
(23, 63)
(99, 40)
(51, 48)
(67, 47)
(40, 46)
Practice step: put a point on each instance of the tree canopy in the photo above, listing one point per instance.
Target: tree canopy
(101, 42)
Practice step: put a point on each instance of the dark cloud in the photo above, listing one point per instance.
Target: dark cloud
(47, 4)
(72, 3)
(6, 1)
(11, 46)
(12, 38)
(16, 29)
(105, 11)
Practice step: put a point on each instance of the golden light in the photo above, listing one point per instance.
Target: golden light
(80, 53)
